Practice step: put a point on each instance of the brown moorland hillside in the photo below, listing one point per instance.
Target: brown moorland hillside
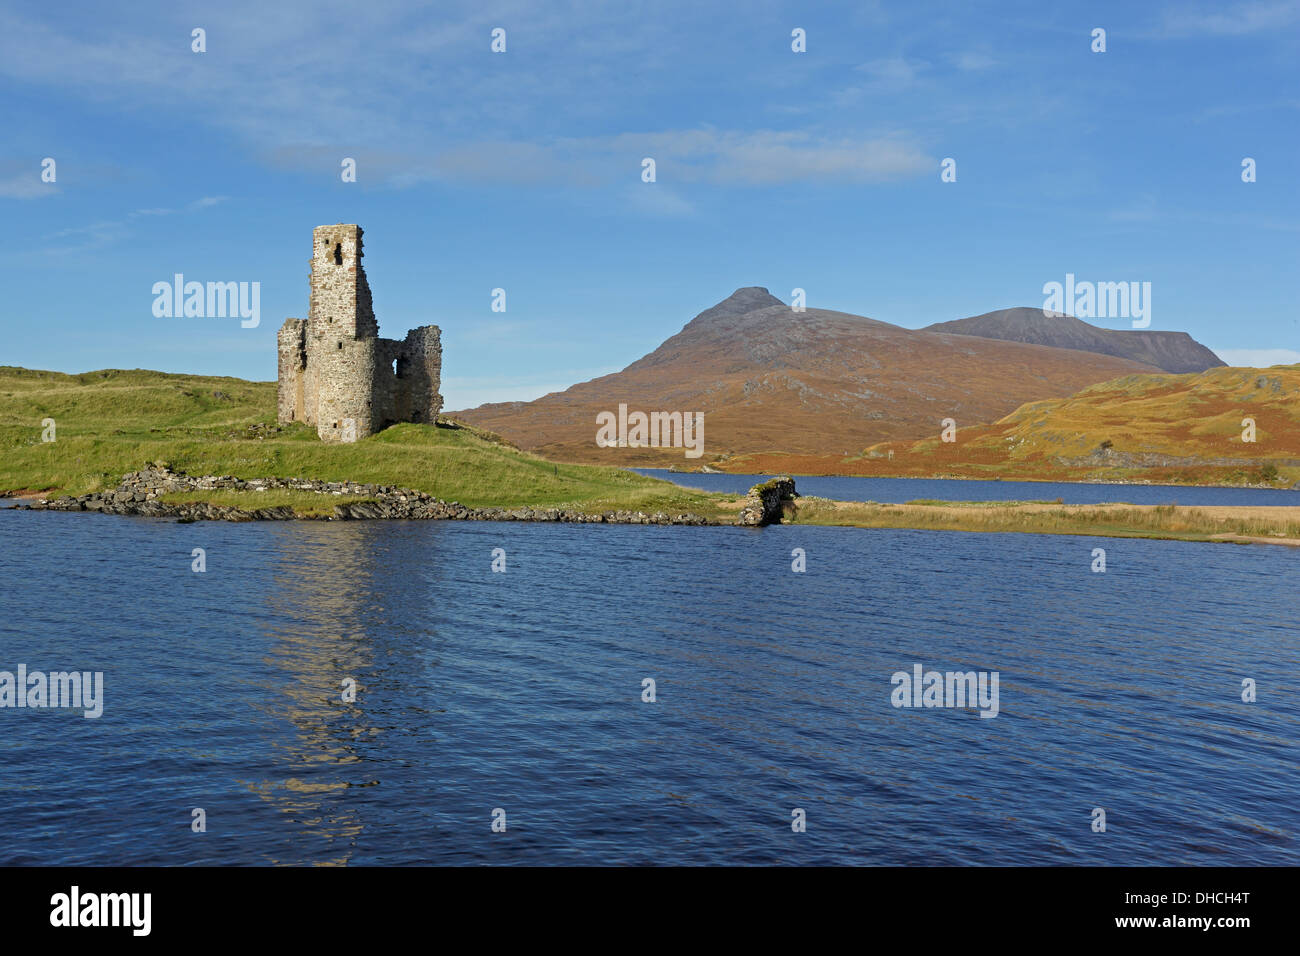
(1155, 428)
(816, 382)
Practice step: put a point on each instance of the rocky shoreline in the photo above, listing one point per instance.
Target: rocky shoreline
(139, 494)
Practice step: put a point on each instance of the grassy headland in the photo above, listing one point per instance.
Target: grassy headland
(111, 422)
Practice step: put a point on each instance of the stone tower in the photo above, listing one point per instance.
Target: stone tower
(335, 372)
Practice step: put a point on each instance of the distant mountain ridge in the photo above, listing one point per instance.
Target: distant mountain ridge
(1175, 352)
(815, 381)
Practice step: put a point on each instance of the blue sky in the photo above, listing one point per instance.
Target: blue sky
(522, 170)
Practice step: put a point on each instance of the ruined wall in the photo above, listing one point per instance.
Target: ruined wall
(334, 367)
(345, 372)
(419, 367)
(768, 502)
(340, 294)
(386, 392)
(291, 351)
(341, 334)
(407, 377)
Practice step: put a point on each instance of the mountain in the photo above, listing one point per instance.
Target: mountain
(1175, 352)
(812, 382)
(1158, 429)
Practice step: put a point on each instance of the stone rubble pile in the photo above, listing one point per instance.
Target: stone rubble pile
(767, 503)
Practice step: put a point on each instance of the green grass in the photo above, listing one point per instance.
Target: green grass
(1123, 521)
(934, 502)
(112, 422)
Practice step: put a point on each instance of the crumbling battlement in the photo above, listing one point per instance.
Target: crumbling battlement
(335, 372)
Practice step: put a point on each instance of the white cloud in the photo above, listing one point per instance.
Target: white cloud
(893, 72)
(973, 61)
(289, 72)
(720, 157)
(734, 157)
(1258, 358)
(282, 79)
(1140, 210)
(83, 238)
(104, 232)
(26, 186)
(659, 201)
(888, 76)
(1238, 20)
(775, 157)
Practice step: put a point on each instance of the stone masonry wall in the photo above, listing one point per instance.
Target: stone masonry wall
(334, 367)
(291, 348)
(767, 503)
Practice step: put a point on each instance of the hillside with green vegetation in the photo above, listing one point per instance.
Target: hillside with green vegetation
(111, 422)
(1162, 429)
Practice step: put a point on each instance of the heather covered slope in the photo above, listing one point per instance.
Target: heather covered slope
(814, 382)
(1175, 352)
(1156, 428)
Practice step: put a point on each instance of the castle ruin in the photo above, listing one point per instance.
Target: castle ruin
(335, 372)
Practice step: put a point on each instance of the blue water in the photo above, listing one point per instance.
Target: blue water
(898, 490)
(522, 691)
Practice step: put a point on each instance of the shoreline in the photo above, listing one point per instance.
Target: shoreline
(1223, 524)
(999, 478)
(368, 511)
(164, 494)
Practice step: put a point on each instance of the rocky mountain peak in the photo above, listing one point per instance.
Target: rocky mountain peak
(750, 298)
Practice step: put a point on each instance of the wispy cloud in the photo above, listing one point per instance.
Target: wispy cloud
(771, 156)
(973, 61)
(91, 235)
(658, 201)
(1141, 210)
(718, 157)
(887, 76)
(893, 72)
(76, 239)
(1235, 20)
(286, 91)
(284, 73)
(20, 184)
